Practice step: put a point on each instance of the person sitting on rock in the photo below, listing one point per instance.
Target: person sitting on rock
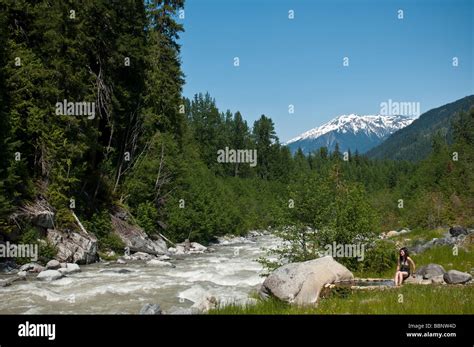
(405, 263)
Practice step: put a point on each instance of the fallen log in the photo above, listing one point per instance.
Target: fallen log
(166, 239)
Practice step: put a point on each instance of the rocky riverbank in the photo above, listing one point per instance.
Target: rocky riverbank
(180, 282)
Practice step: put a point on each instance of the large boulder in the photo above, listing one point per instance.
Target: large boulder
(301, 283)
(430, 271)
(134, 237)
(53, 265)
(49, 275)
(188, 248)
(74, 247)
(457, 277)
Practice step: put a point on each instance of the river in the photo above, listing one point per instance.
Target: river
(229, 273)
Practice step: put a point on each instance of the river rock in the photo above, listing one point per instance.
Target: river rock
(150, 309)
(74, 247)
(301, 283)
(53, 265)
(121, 261)
(49, 275)
(457, 230)
(164, 258)
(188, 248)
(32, 267)
(156, 262)
(196, 247)
(457, 277)
(69, 269)
(141, 256)
(430, 270)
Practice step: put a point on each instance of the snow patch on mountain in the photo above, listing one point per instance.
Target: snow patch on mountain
(370, 125)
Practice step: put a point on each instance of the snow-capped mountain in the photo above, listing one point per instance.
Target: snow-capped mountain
(354, 132)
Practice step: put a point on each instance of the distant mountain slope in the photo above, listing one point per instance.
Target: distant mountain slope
(414, 141)
(354, 132)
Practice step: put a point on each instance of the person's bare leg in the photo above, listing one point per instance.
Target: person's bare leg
(400, 278)
(396, 278)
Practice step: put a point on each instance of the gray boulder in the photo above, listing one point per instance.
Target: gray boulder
(49, 275)
(53, 265)
(430, 270)
(457, 230)
(301, 283)
(457, 277)
(134, 237)
(69, 269)
(44, 219)
(141, 256)
(74, 247)
(150, 309)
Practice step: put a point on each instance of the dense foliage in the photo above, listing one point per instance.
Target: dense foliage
(153, 152)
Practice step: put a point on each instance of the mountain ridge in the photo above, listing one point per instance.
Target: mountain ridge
(352, 131)
(413, 142)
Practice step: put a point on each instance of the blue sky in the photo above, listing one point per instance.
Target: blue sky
(300, 61)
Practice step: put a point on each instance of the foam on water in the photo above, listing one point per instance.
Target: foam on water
(229, 274)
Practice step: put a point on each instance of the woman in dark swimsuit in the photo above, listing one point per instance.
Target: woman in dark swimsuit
(405, 264)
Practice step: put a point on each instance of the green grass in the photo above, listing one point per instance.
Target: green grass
(443, 255)
(417, 299)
